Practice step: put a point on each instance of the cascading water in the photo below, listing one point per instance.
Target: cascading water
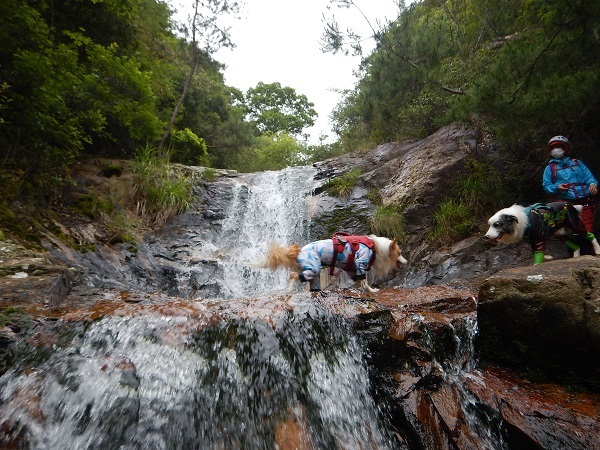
(268, 207)
(157, 381)
(262, 208)
(205, 376)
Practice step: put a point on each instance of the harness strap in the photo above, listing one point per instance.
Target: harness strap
(340, 239)
(572, 186)
(555, 169)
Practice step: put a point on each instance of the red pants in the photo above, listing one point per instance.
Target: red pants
(587, 213)
(587, 217)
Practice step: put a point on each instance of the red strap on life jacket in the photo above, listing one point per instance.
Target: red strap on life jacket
(571, 185)
(554, 169)
(340, 239)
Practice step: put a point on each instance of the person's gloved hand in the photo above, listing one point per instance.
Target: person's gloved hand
(593, 189)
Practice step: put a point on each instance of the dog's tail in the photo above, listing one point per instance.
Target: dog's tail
(280, 256)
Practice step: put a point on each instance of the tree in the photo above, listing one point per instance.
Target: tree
(272, 152)
(517, 69)
(204, 29)
(275, 109)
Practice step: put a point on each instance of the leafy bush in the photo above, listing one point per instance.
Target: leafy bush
(342, 186)
(271, 152)
(478, 191)
(187, 147)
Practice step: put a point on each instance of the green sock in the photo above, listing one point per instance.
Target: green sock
(572, 245)
(538, 257)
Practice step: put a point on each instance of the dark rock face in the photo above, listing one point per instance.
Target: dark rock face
(544, 318)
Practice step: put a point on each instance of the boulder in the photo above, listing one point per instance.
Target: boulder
(544, 320)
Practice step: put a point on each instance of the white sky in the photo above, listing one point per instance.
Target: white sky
(279, 41)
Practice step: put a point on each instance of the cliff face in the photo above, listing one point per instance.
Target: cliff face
(415, 176)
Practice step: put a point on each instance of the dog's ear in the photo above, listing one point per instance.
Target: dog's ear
(510, 218)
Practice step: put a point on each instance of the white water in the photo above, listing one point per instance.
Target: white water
(157, 381)
(161, 382)
(267, 207)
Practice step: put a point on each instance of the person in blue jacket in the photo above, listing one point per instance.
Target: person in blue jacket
(568, 179)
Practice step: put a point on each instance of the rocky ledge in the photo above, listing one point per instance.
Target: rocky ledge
(424, 369)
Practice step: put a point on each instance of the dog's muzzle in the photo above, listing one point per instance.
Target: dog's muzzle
(494, 239)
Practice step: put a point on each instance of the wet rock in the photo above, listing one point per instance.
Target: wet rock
(292, 432)
(544, 320)
(538, 415)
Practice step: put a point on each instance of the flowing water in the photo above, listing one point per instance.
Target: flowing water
(264, 208)
(207, 375)
(267, 207)
(156, 381)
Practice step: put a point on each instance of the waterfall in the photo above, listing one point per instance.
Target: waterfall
(266, 207)
(159, 381)
(202, 374)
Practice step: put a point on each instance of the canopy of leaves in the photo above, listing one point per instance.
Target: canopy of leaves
(271, 152)
(274, 109)
(103, 77)
(521, 69)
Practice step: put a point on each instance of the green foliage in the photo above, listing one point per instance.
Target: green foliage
(112, 170)
(453, 221)
(121, 229)
(159, 192)
(323, 151)
(479, 190)
(65, 88)
(92, 206)
(374, 195)
(388, 221)
(187, 148)
(271, 152)
(276, 109)
(342, 186)
(521, 69)
(209, 174)
(10, 315)
(481, 187)
(102, 77)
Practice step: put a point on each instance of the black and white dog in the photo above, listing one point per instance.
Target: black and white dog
(537, 223)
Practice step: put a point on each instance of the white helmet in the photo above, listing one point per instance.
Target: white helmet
(559, 141)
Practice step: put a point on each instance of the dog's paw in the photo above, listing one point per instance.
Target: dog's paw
(577, 253)
(548, 257)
